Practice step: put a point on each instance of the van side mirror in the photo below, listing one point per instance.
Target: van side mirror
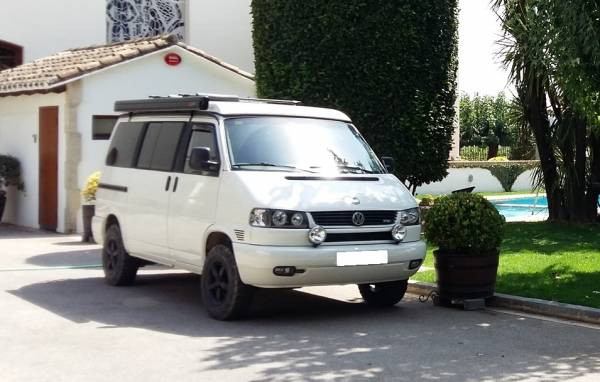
(388, 162)
(200, 160)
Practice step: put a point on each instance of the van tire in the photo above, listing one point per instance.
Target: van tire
(383, 294)
(119, 267)
(224, 295)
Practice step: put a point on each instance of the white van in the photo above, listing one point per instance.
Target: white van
(253, 193)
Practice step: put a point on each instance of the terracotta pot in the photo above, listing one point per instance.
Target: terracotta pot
(88, 211)
(462, 276)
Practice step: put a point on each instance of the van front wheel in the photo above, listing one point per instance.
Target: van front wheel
(224, 294)
(383, 294)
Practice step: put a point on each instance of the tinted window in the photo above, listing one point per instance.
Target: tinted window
(202, 136)
(124, 144)
(160, 145)
(150, 140)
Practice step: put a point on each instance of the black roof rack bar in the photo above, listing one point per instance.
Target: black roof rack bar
(162, 104)
(187, 102)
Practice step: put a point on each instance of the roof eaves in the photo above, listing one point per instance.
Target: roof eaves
(215, 60)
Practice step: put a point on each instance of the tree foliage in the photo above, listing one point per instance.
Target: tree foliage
(492, 122)
(390, 65)
(553, 52)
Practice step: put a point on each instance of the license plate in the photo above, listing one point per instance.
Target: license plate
(361, 258)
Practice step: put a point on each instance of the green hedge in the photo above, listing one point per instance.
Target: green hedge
(391, 65)
(505, 172)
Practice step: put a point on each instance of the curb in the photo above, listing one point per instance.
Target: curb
(525, 304)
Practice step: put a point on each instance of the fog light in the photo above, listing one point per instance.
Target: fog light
(399, 232)
(317, 235)
(414, 264)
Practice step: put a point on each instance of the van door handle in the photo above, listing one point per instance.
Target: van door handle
(168, 183)
(175, 184)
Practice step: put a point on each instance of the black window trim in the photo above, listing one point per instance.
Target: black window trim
(184, 145)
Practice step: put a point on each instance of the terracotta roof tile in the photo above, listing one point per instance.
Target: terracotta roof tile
(50, 73)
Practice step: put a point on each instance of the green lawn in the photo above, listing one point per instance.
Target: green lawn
(548, 261)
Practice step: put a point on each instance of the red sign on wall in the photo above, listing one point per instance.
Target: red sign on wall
(172, 59)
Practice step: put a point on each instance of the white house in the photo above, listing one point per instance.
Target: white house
(42, 27)
(56, 114)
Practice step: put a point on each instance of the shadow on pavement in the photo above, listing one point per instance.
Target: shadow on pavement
(9, 231)
(295, 335)
(67, 259)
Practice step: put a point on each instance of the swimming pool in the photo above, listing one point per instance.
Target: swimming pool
(522, 208)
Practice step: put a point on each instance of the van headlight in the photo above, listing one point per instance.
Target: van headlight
(270, 218)
(409, 217)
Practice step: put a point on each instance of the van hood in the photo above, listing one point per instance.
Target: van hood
(312, 192)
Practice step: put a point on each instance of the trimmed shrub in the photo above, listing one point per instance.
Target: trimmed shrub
(464, 223)
(391, 65)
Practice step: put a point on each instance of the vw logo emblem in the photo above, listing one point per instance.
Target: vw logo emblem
(358, 218)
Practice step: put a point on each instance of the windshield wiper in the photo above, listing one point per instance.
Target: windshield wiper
(355, 168)
(270, 165)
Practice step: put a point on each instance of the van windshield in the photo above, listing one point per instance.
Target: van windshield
(298, 144)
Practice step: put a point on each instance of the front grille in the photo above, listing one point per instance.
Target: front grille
(344, 218)
(358, 236)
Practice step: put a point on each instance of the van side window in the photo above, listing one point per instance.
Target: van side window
(160, 145)
(124, 144)
(202, 136)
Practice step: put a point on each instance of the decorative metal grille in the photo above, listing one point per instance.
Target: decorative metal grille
(130, 19)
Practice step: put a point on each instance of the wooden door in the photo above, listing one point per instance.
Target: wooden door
(48, 148)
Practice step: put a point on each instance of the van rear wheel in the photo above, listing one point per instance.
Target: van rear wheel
(224, 294)
(119, 268)
(383, 294)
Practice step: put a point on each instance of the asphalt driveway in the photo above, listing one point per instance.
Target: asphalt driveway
(60, 321)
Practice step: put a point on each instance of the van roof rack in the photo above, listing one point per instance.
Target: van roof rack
(188, 102)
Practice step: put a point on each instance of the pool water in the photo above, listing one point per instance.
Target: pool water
(523, 208)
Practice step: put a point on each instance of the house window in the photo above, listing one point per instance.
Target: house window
(102, 126)
(11, 55)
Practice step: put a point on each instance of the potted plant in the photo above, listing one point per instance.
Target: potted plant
(467, 229)
(88, 208)
(10, 175)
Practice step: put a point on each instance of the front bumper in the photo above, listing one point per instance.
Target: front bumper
(256, 262)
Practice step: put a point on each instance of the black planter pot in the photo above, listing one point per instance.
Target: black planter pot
(2, 204)
(88, 211)
(462, 277)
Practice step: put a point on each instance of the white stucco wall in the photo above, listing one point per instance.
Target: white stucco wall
(482, 179)
(19, 129)
(45, 27)
(222, 28)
